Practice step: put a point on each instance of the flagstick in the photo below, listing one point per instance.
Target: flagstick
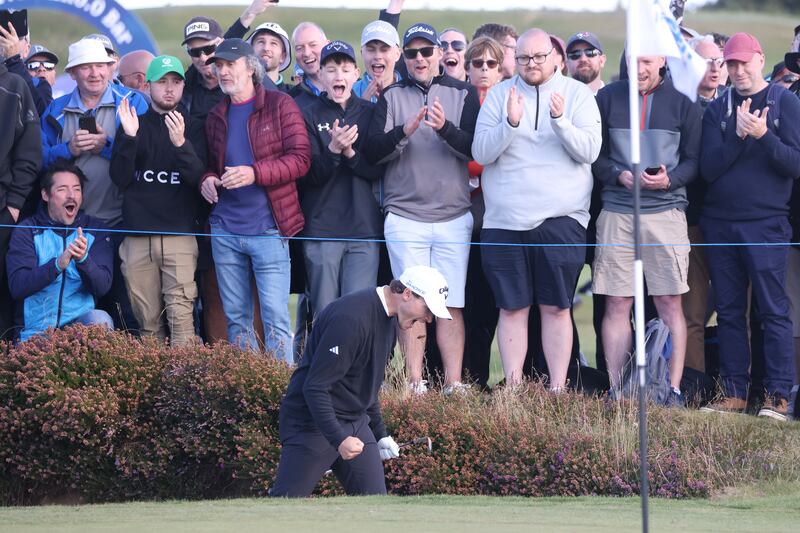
(633, 48)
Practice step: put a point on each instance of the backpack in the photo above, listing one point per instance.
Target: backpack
(658, 350)
(773, 102)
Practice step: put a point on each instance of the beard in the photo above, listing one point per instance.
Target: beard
(585, 76)
(164, 106)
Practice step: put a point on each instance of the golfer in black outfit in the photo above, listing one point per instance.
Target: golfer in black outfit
(330, 417)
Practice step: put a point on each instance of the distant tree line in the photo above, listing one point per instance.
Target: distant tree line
(789, 6)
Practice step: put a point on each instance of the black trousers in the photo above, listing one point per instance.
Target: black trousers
(306, 455)
(6, 303)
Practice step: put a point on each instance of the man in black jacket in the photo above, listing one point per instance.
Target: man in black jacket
(330, 416)
(158, 171)
(337, 198)
(20, 160)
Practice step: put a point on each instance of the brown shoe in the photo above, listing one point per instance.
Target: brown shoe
(726, 405)
(775, 407)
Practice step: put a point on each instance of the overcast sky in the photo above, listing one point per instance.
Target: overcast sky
(573, 5)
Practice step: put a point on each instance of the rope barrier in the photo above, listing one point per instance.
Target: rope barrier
(349, 239)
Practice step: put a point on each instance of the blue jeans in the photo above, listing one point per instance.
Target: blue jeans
(237, 259)
(95, 317)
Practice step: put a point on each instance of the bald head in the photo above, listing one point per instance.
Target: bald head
(535, 59)
(716, 75)
(133, 68)
(534, 36)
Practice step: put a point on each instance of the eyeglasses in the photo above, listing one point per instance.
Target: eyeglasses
(36, 65)
(478, 63)
(718, 61)
(123, 76)
(200, 50)
(588, 52)
(411, 53)
(457, 46)
(789, 78)
(536, 58)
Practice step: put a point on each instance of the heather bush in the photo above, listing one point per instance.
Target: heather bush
(90, 415)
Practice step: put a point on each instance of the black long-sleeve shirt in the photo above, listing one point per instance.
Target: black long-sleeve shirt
(158, 180)
(336, 194)
(341, 372)
(41, 91)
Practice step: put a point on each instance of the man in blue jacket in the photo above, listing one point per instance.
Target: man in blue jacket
(55, 268)
(81, 127)
(750, 159)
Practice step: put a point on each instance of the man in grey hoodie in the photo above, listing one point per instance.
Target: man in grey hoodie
(537, 135)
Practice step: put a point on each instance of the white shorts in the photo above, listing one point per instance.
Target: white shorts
(441, 245)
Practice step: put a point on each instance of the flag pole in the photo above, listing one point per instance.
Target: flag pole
(633, 48)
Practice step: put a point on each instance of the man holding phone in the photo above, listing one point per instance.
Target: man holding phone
(670, 146)
(80, 127)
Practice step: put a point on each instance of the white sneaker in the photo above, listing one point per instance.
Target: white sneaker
(456, 387)
(418, 387)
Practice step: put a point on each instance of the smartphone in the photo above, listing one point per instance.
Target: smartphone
(18, 19)
(273, 1)
(87, 123)
(652, 170)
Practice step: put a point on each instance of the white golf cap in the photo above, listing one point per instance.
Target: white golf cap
(275, 28)
(382, 31)
(87, 51)
(430, 285)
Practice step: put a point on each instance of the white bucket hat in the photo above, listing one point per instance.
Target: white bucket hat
(87, 51)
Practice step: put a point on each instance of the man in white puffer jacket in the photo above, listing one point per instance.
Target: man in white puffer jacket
(537, 136)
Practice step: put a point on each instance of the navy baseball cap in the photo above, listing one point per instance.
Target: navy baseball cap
(420, 30)
(337, 48)
(231, 50)
(585, 37)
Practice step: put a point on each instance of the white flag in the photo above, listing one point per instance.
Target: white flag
(659, 35)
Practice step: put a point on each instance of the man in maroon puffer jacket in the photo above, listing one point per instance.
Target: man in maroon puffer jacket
(257, 149)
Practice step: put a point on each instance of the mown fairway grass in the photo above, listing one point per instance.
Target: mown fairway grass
(767, 509)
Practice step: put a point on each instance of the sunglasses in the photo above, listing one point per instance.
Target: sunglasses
(789, 78)
(411, 53)
(47, 65)
(478, 63)
(200, 50)
(455, 45)
(588, 52)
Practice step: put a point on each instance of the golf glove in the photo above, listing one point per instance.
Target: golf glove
(388, 448)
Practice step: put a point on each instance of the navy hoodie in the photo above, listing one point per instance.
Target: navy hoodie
(750, 179)
(336, 194)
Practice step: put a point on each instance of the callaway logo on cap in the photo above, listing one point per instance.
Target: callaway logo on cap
(337, 48)
(429, 284)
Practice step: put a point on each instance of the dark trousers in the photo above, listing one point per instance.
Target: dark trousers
(116, 302)
(480, 321)
(306, 455)
(6, 304)
(731, 269)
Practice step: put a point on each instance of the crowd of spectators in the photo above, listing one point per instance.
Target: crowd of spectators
(187, 203)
